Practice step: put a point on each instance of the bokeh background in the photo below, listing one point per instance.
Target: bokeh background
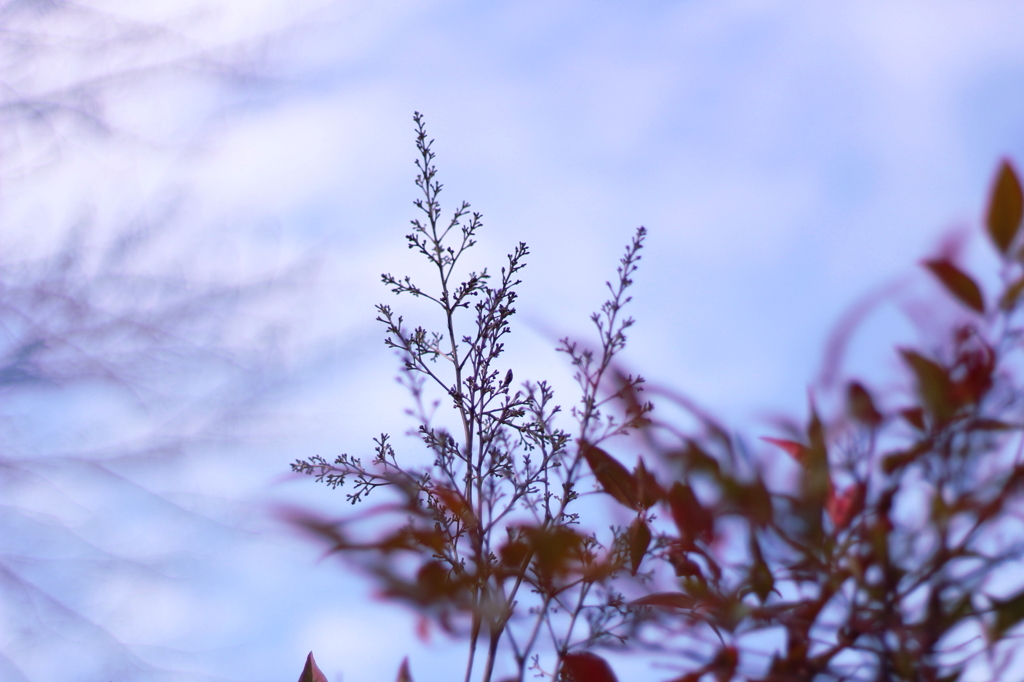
(198, 198)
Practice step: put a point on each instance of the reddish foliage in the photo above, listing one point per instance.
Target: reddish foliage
(884, 545)
(586, 667)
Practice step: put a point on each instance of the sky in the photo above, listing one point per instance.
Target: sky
(787, 159)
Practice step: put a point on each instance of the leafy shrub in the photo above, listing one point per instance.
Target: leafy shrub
(887, 555)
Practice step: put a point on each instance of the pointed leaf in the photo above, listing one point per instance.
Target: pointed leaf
(762, 582)
(403, 671)
(1008, 614)
(816, 482)
(933, 384)
(586, 667)
(861, 406)
(648, 491)
(958, 283)
(675, 600)
(914, 417)
(311, 673)
(694, 458)
(613, 478)
(842, 508)
(1005, 208)
(753, 499)
(797, 451)
(693, 520)
(990, 425)
(639, 541)
(1008, 301)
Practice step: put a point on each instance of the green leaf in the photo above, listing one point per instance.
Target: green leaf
(613, 478)
(311, 673)
(754, 499)
(901, 458)
(957, 612)
(1008, 614)
(1005, 208)
(1008, 301)
(762, 582)
(958, 283)
(639, 541)
(933, 384)
(817, 482)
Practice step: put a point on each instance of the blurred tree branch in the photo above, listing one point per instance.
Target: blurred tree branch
(111, 363)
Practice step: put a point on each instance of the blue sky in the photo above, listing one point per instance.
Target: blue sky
(786, 158)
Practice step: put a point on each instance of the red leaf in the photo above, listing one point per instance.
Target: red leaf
(432, 579)
(423, 629)
(403, 671)
(648, 491)
(693, 520)
(514, 553)
(842, 508)
(861, 406)
(639, 541)
(586, 667)
(914, 416)
(311, 673)
(797, 451)
(555, 550)
(958, 283)
(725, 663)
(675, 600)
(683, 565)
(613, 478)
(456, 504)
(1005, 208)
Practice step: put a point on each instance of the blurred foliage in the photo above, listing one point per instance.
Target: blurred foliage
(887, 547)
